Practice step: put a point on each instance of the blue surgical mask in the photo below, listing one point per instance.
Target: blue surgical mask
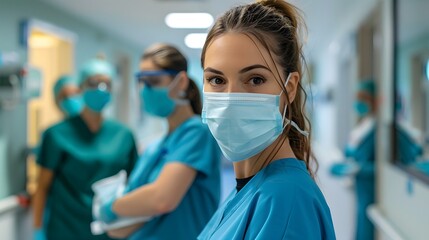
(362, 108)
(244, 124)
(72, 106)
(156, 100)
(96, 99)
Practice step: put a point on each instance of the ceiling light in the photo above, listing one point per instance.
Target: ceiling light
(195, 40)
(189, 20)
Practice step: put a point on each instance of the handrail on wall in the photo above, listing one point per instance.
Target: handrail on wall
(8, 204)
(13, 203)
(382, 223)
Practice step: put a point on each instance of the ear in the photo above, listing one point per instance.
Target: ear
(292, 86)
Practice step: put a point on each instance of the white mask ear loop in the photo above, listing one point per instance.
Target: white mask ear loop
(305, 133)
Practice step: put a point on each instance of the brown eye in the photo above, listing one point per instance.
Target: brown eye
(256, 81)
(216, 81)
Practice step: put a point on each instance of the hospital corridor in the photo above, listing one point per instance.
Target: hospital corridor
(214, 119)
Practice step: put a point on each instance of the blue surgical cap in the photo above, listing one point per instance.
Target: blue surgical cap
(95, 67)
(62, 82)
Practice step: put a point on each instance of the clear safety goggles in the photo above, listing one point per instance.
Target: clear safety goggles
(153, 78)
(102, 84)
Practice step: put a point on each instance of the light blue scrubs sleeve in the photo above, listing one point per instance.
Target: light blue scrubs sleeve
(49, 155)
(309, 219)
(271, 216)
(291, 213)
(195, 149)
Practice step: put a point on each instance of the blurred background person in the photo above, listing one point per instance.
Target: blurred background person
(74, 154)
(360, 152)
(67, 96)
(177, 179)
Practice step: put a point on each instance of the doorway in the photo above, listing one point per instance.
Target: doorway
(53, 54)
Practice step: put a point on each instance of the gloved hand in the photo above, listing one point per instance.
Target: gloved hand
(38, 234)
(106, 214)
(344, 168)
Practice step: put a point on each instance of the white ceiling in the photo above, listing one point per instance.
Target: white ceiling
(141, 22)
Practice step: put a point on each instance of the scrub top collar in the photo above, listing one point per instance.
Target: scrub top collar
(85, 129)
(236, 198)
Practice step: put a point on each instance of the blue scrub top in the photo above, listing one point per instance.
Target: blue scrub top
(281, 201)
(193, 145)
(78, 158)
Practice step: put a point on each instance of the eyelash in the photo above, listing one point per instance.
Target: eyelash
(256, 77)
(211, 79)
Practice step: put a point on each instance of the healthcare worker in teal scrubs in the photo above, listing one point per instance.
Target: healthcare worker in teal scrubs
(67, 96)
(177, 180)
(254, 107)
(361, 153)
(74, 154)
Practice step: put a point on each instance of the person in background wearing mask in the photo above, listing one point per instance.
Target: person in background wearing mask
(76, 153)
(253, 105)
(177, 180)
(360, 152)
(67, 96)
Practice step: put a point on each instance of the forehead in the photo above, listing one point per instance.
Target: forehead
(68, 90)
(236, 50)
(148, 65)
(99, 78)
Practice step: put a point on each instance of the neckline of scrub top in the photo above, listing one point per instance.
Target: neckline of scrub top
(241, 182)
(88, 131)
(236, 199)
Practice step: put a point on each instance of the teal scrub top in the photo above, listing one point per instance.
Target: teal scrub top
(193, 145)
(78, 158)
(281, 201)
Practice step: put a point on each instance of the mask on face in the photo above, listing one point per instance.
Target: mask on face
(96, 99)
(72, 106)
(244, 124)
(362, 108)
(156, 100)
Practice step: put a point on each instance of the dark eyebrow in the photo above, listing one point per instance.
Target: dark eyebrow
(246, 69)
(213, 71)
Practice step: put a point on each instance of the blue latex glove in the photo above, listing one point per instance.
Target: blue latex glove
(107, 214)
(344, 169)
(38, 234)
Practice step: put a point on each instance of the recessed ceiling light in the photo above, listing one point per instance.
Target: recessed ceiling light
(189, 20)
(195, 40)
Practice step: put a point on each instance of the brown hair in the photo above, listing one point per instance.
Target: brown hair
(276, 25)
(168, 57)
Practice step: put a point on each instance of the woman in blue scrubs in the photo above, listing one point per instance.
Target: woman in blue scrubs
(74, 154)
(177, 179)
(254, 107)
